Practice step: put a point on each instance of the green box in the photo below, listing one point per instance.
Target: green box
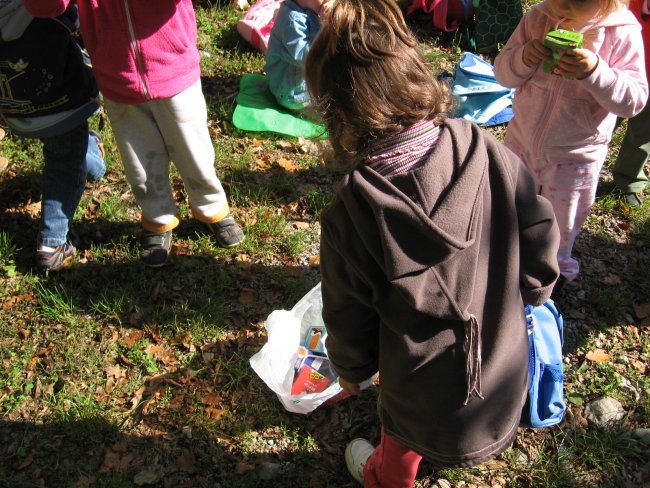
(559, 41)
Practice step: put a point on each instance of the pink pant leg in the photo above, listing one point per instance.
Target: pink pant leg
(571, 189)
(391, 465)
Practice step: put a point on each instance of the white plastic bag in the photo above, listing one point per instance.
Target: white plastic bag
(274, 363)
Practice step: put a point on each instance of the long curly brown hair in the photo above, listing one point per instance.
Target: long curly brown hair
(369, 79)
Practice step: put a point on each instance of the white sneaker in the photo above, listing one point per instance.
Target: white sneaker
(356, 455)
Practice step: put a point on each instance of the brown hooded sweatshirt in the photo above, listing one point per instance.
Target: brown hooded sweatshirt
(424, 279)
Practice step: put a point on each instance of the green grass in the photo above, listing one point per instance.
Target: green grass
(7, 251)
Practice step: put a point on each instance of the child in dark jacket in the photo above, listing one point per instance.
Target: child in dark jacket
(48, 93)
(434, 242)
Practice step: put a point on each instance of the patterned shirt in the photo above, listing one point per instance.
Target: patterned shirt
(406, 150)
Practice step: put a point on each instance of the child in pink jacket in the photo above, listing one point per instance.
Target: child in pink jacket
(563, 122)
(146, 63)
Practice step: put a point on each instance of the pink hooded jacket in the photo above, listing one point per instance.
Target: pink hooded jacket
(556, 115)
(141, 50)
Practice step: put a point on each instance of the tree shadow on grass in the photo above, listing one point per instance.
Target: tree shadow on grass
(196, 416)
(96, 452)
(613, 283)
(23, 229)
(209, 421)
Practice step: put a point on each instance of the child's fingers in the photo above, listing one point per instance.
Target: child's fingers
(567, 61)
(572, 58)
(349, 387)
(568, 65)
(534, 53)
(578, 63)
(541, 51)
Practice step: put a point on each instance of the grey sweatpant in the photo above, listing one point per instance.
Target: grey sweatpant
(153, 134)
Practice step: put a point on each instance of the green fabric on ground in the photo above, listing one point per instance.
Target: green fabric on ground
(257, 110)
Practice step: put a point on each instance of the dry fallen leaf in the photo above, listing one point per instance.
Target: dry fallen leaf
(154, 349)
(576, 314)
(183, 339)
(288, 165)
(131, 338)
(642, 311)
(638, 365)
(301, 225)
(31, 364)
(110, 383)
(212, 399)
(493, 465)
(115, 371)
(262, 163)
(167, 357)
(314, 261)
(598, 356)
(85, 482)
(612, 279)
(33, 209)
(185, 462)
(247, 295)
(215, 413)
(111, 461)
(242, 258)
(137, 397)
(242, 467)
(148, 476)
(26, 462)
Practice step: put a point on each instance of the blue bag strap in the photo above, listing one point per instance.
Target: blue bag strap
(559, 320)
(530, 325)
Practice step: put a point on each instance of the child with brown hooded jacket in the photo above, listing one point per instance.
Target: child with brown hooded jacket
(433, 244)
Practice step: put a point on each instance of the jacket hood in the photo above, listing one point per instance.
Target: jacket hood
(621, 17)
(14, 19)
(441, 204)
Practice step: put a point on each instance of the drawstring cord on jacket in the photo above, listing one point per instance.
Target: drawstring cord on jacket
(472, 346)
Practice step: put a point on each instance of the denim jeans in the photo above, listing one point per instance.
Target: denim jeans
(70, 160)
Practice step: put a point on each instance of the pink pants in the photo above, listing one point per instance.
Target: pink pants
(391, 465)
(569, 183)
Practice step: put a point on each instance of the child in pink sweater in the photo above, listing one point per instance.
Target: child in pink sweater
(146, 63)
(563, 122)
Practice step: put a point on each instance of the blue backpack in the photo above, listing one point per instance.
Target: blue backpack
(481, 98)
(545, 405)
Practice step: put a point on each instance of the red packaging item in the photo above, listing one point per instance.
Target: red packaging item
(309, 380)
